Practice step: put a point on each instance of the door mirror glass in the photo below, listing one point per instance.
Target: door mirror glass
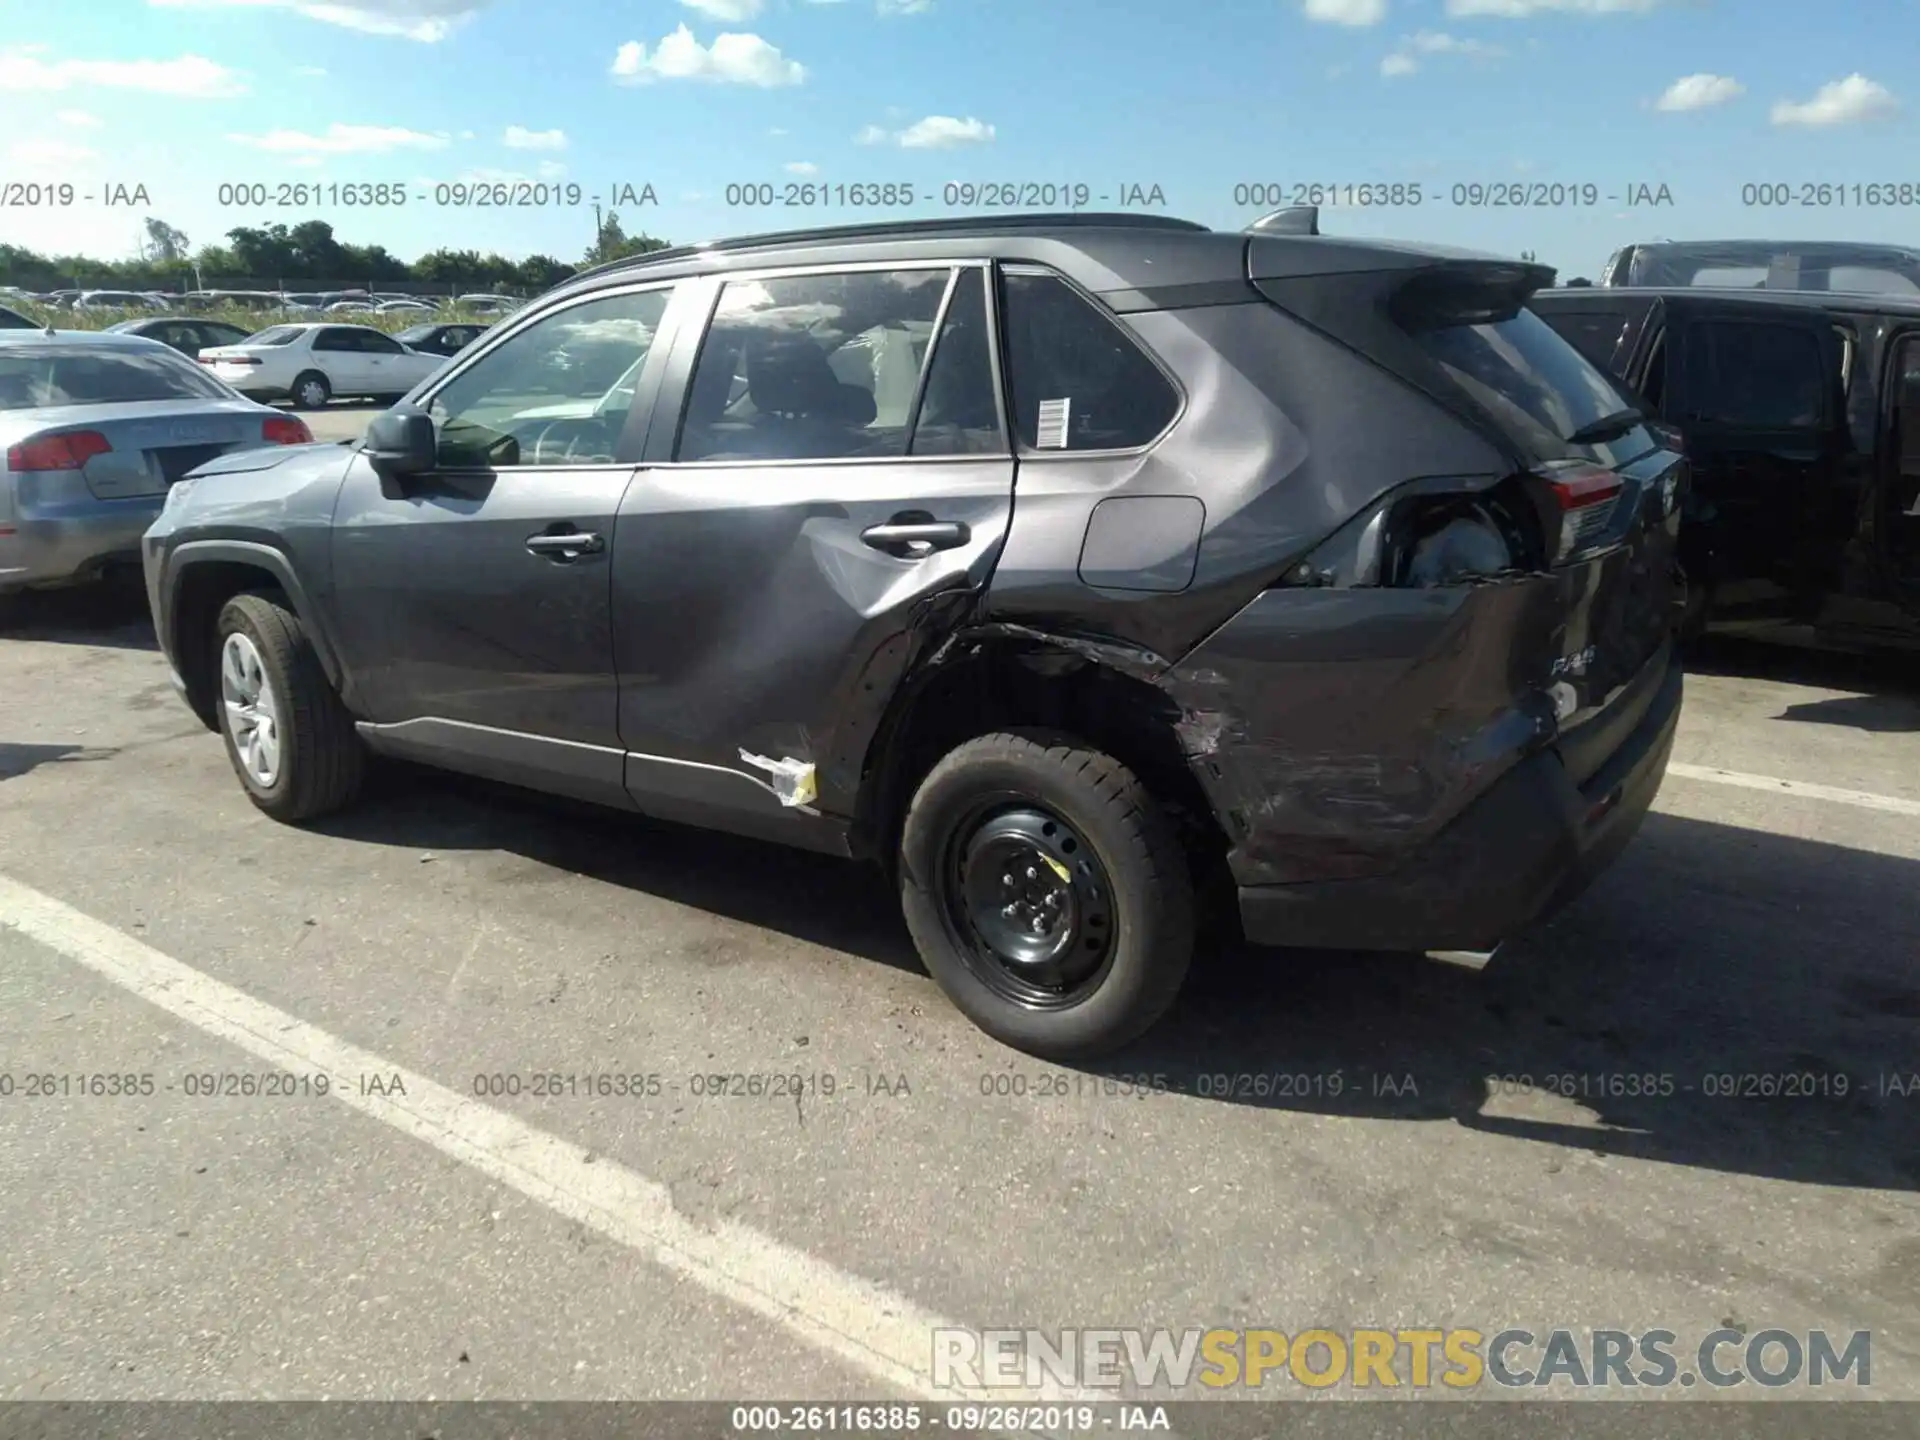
(401, 442)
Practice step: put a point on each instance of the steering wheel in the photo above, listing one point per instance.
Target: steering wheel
(579, 431)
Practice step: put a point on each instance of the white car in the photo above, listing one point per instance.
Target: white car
(311, 364)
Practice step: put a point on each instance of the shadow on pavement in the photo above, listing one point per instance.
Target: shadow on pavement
(1889, 672)
(1723, 998)
(1874, 714)
(111, 612)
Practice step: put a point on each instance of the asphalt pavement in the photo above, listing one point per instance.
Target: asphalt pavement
(680, 1233)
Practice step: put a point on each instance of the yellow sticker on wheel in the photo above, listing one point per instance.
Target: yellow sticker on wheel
(1058, 869)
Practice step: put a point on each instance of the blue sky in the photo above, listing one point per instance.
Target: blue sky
(692, 96)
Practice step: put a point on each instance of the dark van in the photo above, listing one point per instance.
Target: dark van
(1801, 416)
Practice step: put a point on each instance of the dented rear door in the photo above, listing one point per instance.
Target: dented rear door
(828, 486)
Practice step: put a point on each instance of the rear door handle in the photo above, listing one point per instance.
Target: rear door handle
(568, 546)
(912, 539)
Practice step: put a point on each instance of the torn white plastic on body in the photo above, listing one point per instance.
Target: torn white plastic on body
(791, 780)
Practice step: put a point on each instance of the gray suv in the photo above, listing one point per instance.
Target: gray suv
(1070, 567)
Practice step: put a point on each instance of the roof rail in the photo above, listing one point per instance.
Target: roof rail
(951, 225)
(1294, 220)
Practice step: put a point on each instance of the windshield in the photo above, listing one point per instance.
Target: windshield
(91, 376)
(1530, 381)
(415, 333)
(274, 335)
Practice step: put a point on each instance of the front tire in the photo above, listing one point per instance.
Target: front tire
(1047, 893)
(291, 741)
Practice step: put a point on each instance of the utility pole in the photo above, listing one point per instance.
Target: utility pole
(598, 231)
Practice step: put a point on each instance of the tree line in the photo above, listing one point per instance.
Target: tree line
(309, 251)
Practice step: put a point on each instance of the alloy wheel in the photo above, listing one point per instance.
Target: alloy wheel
(250, 709)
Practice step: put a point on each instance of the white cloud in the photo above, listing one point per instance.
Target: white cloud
(1404, 61)
(736, 59)
(803, 167)
(903, 7)
(1521, 9)
(518, 137)
(731, 11)
(78, 119)
(1346, 12)
(48, 154)
(1699, 92)
(1844, 102)
(310, 72)
(424, 20)
(776, 132)
(936, 132)
(551, 170)
(342, 140)
(191, 76)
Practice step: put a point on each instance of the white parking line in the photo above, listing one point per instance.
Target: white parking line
(1863, 799)
(859, 1322)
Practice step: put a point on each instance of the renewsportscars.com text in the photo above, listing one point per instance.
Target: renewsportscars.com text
(1456, 1358)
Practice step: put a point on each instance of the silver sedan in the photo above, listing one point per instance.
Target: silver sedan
(94, 427)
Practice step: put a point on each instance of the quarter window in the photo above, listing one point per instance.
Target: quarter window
(1754, 374)
(812, 367)
(1079, 381)
(557, 393)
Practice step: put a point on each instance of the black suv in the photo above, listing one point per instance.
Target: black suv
(1067, 566)
(1801, 420)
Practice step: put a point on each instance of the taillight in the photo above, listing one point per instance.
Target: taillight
(1587, 496)
(70, 451)
(286, 430)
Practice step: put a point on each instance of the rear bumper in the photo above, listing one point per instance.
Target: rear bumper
(1526, 848)
(59, 544)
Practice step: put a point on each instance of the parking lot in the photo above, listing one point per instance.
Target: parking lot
(1333, 1140)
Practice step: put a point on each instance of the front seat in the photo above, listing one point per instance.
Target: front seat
(802, 408)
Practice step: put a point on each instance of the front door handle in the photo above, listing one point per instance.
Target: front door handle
(913, 538)
(570, 545)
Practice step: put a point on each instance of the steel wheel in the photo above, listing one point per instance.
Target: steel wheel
(249, 709)
(1030, 903)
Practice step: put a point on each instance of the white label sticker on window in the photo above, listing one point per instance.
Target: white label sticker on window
(1051, 434)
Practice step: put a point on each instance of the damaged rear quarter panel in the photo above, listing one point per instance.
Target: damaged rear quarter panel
(1335, 731)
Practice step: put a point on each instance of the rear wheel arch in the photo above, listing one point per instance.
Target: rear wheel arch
(994, 684)
(202, 577)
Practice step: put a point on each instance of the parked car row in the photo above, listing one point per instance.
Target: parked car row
(265, 301)
(196, 337)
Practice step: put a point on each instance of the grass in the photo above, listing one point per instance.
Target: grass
(248, 320)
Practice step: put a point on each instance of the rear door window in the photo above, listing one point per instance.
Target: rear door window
(960, 411)
(812, 367)
(1079, 381)
(1753, 374)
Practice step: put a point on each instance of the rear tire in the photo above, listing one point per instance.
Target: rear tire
(290, 740)
(1089, 865)
(310, 390)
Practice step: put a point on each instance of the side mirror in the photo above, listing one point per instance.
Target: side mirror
(401, 442)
